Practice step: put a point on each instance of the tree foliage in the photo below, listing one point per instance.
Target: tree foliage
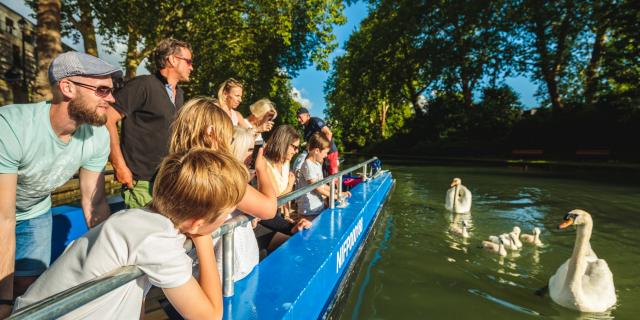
(446, 57)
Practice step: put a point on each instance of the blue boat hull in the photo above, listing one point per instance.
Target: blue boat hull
(301, 278)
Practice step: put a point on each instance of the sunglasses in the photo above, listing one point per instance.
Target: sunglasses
(295, 148)
(188, 61)
(100, 91)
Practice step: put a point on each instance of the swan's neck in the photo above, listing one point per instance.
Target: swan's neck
(581, 248)
(456, 194)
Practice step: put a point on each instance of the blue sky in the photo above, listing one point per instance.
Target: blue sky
(309, 82)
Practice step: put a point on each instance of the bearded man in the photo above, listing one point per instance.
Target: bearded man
(42, 145)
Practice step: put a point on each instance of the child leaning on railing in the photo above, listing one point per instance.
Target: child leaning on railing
(188, 204)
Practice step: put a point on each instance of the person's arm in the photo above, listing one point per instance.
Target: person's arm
(242, 122)
(93, 199)
(122, 172)
(300, 225)
(200, 299)
(8, 183)
(290, 183)
(261, 203)
(327, 132)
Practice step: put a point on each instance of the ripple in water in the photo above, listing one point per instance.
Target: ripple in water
(503, 302)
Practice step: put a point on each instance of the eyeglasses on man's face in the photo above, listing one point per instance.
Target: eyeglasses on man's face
(188, 61)
(100, 91)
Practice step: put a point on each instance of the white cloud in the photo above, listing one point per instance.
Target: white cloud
(297, 96)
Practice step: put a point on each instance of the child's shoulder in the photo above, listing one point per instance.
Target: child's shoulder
(139, 220)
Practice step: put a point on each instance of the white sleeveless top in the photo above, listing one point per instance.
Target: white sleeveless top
(282, 178)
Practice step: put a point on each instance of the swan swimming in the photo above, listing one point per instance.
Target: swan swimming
(509, 243)
(583, 282)
(532, 238)
(460, 231)
(496, 247)
(515, 236)
(458, 197)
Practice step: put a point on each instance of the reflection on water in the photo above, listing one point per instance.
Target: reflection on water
(422, 269)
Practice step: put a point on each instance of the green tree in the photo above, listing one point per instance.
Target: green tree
(48, 45)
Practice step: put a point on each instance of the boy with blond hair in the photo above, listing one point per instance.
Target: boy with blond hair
(189, 202)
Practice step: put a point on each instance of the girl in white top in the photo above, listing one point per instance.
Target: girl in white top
(245, 248)
(312, 203)
(282, 145)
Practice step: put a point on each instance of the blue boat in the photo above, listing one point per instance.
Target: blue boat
(300, 280)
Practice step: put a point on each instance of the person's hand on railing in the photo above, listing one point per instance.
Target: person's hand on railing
(302, 224)
(344, 194)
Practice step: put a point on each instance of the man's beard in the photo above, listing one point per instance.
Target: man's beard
(80, 112)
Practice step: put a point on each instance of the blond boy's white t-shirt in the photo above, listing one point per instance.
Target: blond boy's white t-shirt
(130, 237)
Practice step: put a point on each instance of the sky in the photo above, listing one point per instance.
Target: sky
(309, 84)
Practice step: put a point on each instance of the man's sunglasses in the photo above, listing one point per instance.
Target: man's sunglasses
(100, 91)
(188, 61)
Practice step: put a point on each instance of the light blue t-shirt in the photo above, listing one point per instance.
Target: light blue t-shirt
(30, 148)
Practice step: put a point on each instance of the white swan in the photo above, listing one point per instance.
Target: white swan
(508, 242)
(533, 239)
(583, 282)
(515, 236)
(458, 197)
(459, 230)
(496, 247)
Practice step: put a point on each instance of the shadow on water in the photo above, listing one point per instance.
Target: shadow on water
(419, 269)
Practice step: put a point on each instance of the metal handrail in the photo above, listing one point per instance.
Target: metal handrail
(242, 219)
(64, 302)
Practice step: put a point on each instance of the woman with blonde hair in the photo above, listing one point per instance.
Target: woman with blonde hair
(230, 96)
(263, 112)
(243, 144)
(201, 123)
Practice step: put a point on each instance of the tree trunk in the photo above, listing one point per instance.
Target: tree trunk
(384, 108)
(467, 93)
(87, 29)
(48, 46)
(600, 20)
(547, 67)
(132, 60)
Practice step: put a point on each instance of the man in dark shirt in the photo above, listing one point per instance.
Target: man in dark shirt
(147, 106)
(312, 125)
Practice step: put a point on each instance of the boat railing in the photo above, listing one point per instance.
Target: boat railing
(66, 301)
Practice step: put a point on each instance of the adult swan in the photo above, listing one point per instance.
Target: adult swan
(583, 282)
(458, 197)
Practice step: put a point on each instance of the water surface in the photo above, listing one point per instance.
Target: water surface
(414, 269)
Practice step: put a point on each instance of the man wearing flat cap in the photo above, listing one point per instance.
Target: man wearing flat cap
(42, 145)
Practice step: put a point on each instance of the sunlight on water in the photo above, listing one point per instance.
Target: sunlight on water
(419, 267)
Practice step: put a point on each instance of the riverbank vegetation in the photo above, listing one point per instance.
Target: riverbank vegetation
(428, 77)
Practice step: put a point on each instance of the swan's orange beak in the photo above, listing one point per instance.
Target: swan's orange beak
(565, 224)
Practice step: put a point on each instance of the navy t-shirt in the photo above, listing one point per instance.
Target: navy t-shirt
(315, 125)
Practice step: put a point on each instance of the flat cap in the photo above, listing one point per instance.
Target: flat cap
(75, 63)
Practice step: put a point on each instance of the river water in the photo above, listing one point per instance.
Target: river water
(415, 269)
